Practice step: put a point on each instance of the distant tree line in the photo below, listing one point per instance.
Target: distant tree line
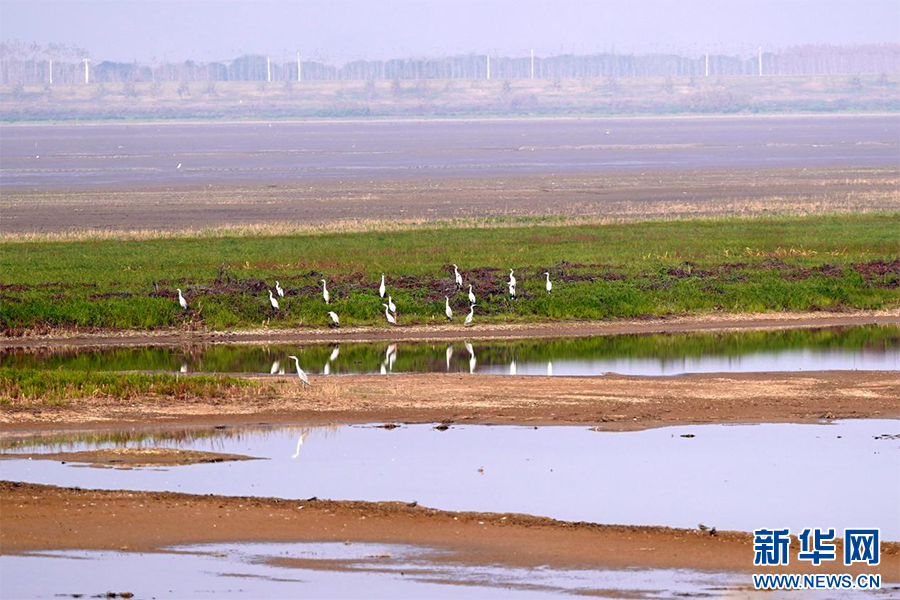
(31, 64)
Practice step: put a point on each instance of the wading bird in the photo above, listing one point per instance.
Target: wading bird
(182, 301)
(458, 277)
(300, 373)
(512, 279)
(549, 284)
(470, 315)
(391, 306)
(335, 322)
(447, 310)
(273, 301)
(471, 295)
(325, 293)
(381, 288)
(387, 313)
(278, 289)
(512, 292)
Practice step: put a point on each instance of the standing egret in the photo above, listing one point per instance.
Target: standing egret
(182, 301)
(299, 443)
(512, 279)
(549, 284)
(381, 288)
(449, 355)
(388, 315)
(457, 277)
(447, 310)
(300, 373)
(334, 319)
(275, 366)
(471, 295)
(470, 315)
(325, 293)
(391, 306)
(278, 289)
(512, 292)
(273, 301)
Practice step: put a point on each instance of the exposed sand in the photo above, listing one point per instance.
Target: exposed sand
(613, 402)
(37, 517)
(131, 457)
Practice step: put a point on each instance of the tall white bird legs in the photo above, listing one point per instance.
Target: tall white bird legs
(300, 373)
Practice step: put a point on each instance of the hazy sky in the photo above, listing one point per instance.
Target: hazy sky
(339, 30)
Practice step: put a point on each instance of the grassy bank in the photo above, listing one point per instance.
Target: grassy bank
(599, 271)
(57, 387)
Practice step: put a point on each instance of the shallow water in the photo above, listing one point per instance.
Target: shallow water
(738, 477)
(367, 570)
(869, 347)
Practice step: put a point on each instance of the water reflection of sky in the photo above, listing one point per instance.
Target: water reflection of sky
(733, 477)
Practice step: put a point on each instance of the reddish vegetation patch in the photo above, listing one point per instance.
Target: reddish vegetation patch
(879, 272)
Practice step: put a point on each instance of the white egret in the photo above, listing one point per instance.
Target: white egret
(334, 354)
(381, 288)
(512, 279)
(391, 306)
(471, 295)
(273, 301)
(299, 443)
(275, 366)
(325, 293)
(182, 301)
(387, 313)
(447, 310)
(470, 315)
(300, 373)
(279, 289)
(184, 368)
(334, 318)
(512, 292)
(178, 168)
(449, 355)
(457, 277)
(549, 283)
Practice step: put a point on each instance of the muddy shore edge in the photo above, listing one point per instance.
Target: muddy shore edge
(425, 333)
(151, 521)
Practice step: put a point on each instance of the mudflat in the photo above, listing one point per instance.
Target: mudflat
(150, 521)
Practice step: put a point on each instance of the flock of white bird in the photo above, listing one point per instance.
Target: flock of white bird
(390, 313)
(390, 309)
